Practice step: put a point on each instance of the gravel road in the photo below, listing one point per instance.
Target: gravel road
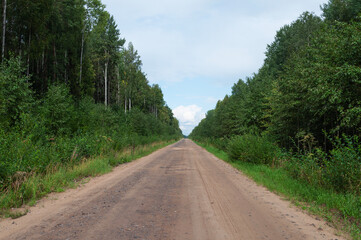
(179, 192)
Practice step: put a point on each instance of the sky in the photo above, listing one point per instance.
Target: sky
(197, 49)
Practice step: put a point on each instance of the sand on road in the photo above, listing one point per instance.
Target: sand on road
(179, 192)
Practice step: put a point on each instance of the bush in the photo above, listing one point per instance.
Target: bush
(340, 169)
(58, 110)
(307, 167)
(253, 149)
(15, 94)
(343, 168)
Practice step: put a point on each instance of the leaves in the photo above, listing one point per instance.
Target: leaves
(15, 95)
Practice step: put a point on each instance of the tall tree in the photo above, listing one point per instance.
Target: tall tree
(131, 66)
(92, 11)
(4, 30)
(341, 10)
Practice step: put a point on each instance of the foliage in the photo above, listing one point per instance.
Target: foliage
(76, 43)
(252, 149)
(341, 10)
(319, 90)
(59, 129)
(57, 111)
(15, 96)
(338, 170)
(51, 142)
(343, 170)
(61, 60)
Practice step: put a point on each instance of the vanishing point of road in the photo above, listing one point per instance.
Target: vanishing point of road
(179, 192)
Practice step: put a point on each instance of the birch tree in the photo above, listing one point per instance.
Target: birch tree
(92, 11)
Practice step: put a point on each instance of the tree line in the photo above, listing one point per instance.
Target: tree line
(304, 99)
(70, 88)
(76, 42)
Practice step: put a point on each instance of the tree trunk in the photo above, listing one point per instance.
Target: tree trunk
(65, 66)
(29, 49)
(43, 60)
(130, 104)
(118, 87)
(4, 28)
(106, 84)
(55, 63)
(125, 102)
(118, 93)
(81, 56)
(43, 71)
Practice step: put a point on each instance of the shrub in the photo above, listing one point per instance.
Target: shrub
(15, 94)
(58, 110)
(343, 168)
(221, 143)
(307, 167)
(253, 149)
(340, 169)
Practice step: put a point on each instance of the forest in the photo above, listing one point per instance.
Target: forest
(301, 111)
(70, 89)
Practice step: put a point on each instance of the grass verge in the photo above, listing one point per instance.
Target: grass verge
(341, 210)
(33, 187)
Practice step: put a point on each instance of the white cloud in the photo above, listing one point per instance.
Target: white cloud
(188, 116)
(225, 40)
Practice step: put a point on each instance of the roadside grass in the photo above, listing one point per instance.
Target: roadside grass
(341, 210)
(59, 178)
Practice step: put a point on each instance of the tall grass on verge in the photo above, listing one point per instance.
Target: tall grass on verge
(29, 187)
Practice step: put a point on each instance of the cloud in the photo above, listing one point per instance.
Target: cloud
(188, 116)
(223, 40)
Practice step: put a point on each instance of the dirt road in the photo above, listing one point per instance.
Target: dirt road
(179, 192)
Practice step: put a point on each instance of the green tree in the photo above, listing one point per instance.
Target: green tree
(58, 111)
(341, 10)
(15, 94)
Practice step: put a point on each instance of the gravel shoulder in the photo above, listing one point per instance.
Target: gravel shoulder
(178, 192)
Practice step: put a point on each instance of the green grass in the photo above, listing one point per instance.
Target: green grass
(342, 210)
(60, 178)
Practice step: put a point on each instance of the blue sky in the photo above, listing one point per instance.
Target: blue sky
(197, 49)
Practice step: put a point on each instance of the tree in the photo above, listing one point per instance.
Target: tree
(341, 10)
(4, 31)
(130, 73)
(15, 95)
(58, 110)
(318, 91)
(156, 99)
(93, 10)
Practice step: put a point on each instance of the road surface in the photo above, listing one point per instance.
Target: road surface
(179, 192)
